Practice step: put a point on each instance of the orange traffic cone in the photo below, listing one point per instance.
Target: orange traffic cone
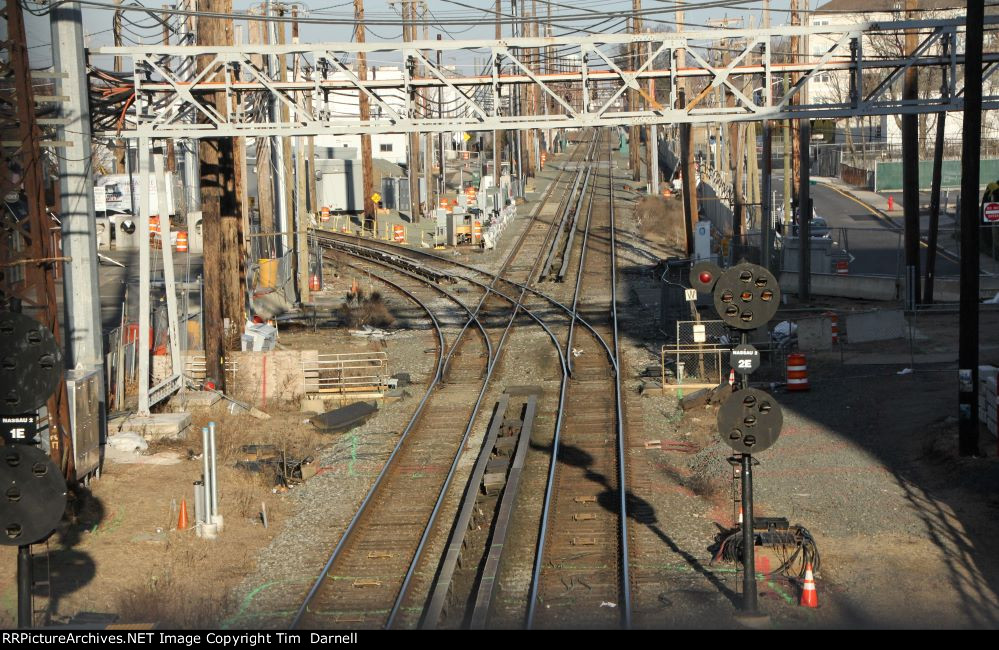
(731, 377)
(182, 519)
(809, 597)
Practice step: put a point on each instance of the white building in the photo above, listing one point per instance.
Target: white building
(834, 86)
(388, 146)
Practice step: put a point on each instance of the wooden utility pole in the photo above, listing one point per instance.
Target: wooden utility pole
(38, 290)
(121, 149)
(428, 138)
(221, 211)
(265, 183)
(688, 171)
(931, 244)
(634, 141)
(367, 169)
(968, 325)
(795, 141)
(171, 158)
(498, 133)
(413, 155)
(286, 171)
(301, 216)
(910, 168)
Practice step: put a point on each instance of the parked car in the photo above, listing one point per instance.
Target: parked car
(819, 227)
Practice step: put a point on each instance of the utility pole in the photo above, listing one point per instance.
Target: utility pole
(301, 217)
(804, 217)
(192, 177)
(766, 206)
(517, 148)
(652, 137)
(910, 168)
(121, 149)
(285, 171)
(37, 292)
(796, 152)
(498, 134)
(221, 213)
(688, 172)
(428, 137)
(413, 154)
(634, 142)
(442, 158)
(970, 173)
(76, 196)
(687, 178)
(788, 173)
(259, 34)
(367, 169)
(931, 246)
(171, 160)
(277, 171)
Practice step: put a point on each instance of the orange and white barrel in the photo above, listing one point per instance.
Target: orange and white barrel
(182, 241)
(834, 320)
(797, 372)
(399, 233)
(842, 267)
(476, 231)
(324, 215)
(313, 282)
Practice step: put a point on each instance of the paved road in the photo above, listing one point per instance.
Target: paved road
(874, 244)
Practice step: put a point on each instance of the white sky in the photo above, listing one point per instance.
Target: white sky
(97, 22)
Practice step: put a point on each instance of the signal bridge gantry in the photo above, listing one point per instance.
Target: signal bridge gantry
(585, 89)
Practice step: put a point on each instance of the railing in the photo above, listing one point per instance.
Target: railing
(346, 373)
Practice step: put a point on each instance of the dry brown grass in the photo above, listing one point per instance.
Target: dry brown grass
(168, 601)
(359, 309)
(661, 220)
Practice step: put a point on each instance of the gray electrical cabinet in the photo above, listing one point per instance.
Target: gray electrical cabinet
(84, 392)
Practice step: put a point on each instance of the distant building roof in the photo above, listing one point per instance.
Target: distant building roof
(881, 6)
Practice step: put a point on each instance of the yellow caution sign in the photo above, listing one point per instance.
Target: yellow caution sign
(466, 137)
(376, 197)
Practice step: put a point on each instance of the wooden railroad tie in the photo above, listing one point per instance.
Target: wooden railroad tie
(367, 582)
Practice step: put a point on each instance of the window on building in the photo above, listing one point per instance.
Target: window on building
(385, 147)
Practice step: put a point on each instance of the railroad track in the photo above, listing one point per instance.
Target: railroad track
(581, 571)
(360, 583)
(588, 415)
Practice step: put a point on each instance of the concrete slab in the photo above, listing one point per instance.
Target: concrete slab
(158, 426)
(199, 399)
(883, 325)
(313, 406)
(814, 334)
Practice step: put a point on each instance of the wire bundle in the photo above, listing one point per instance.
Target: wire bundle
(795, 548)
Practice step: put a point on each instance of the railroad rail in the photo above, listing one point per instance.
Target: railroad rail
(587, 413)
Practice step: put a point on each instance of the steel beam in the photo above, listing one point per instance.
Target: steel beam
(173, 100)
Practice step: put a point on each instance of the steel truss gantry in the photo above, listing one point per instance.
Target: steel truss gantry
(585, 87)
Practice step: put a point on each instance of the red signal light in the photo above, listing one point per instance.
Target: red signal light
(705, 277)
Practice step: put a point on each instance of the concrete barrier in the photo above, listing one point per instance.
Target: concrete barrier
(881, 325)
(867, 287)
(814, 333)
